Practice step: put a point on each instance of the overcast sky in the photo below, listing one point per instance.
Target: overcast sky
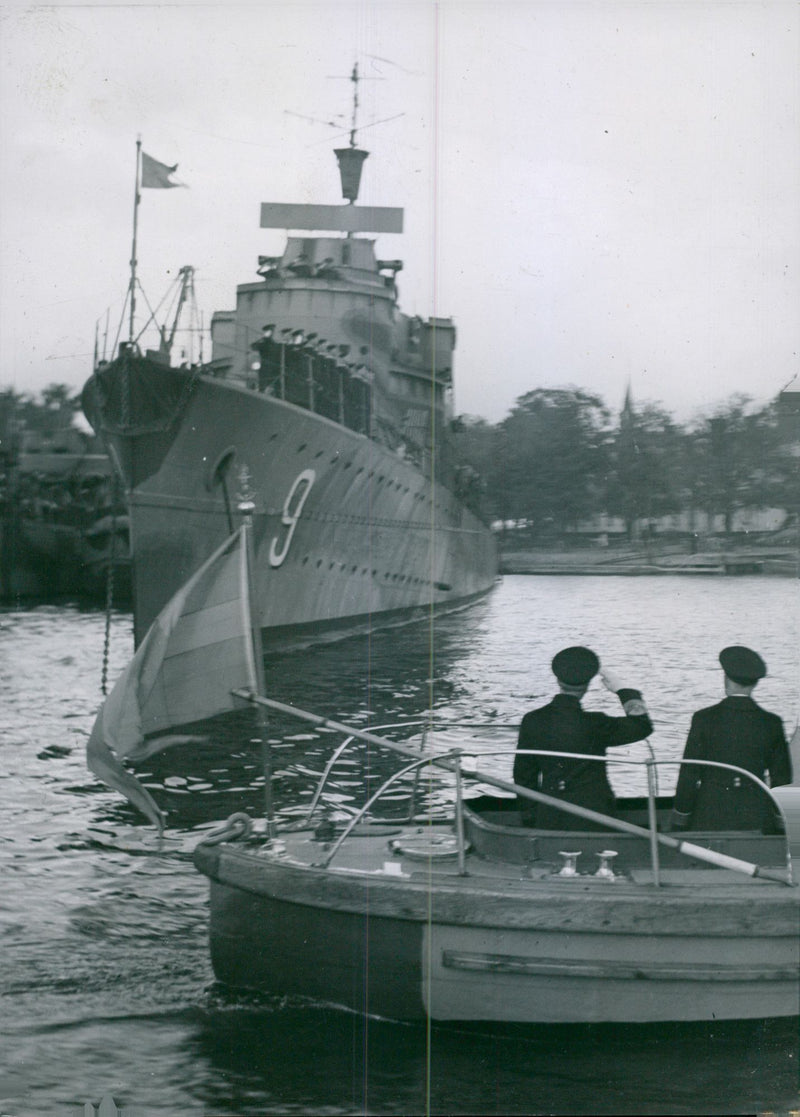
(597, 193)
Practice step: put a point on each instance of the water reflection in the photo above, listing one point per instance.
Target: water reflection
(385, 680)
(252, 1054)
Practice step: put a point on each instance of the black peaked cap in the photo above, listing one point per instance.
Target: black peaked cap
(742, 665)
(575, 666)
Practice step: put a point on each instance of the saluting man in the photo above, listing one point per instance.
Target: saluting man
(735, 731)
(563, 726)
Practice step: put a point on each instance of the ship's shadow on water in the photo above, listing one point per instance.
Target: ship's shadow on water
(252, 1049)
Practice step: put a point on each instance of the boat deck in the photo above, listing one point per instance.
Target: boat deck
(427, 855)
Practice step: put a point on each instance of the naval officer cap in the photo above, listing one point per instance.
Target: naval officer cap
(742, 665)
(575, 666)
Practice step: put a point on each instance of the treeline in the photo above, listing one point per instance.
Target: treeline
(560, 458)
(48, 414)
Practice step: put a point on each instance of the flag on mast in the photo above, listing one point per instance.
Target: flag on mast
(199, 648)
(156, 175)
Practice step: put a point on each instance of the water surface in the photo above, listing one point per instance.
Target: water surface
(106, 978)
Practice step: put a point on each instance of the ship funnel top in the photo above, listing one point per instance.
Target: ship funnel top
(351, 160)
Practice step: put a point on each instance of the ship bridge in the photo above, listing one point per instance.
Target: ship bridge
(321, 327)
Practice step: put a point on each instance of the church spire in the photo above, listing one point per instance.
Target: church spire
(626, 415)
(628, 404)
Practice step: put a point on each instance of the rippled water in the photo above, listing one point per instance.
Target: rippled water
(108, 987)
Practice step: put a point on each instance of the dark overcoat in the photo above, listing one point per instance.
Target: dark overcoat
(563, 726)
(735, 731)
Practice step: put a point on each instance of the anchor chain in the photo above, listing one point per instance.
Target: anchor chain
(109, 588)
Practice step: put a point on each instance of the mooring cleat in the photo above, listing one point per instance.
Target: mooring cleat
(568, 869)
(605, 870)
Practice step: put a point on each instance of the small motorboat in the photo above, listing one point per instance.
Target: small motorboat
(456, 911)
(481, 918)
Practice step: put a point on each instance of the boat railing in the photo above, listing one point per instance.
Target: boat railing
(336, 754)
(428, 727)
(404, 771)
(651, 765)
(463, 763)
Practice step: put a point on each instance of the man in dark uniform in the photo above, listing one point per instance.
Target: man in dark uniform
(562, 726)
(735, 731)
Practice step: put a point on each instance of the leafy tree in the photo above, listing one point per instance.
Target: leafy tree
(786, 463)
(26, 420)
(644, 453)
(475, 442)
(53, 410)
(736, 462)
(551, 459)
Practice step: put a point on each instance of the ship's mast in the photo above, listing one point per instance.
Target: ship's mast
(347, 219)
(351, 159)
(354, 79)
(132, 290)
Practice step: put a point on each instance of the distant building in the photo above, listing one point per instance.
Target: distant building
(789, 416)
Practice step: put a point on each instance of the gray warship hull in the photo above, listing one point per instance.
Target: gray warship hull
(348, 533)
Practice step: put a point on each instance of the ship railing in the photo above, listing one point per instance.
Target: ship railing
(308, 372)
(305, 370)
(462, 763)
